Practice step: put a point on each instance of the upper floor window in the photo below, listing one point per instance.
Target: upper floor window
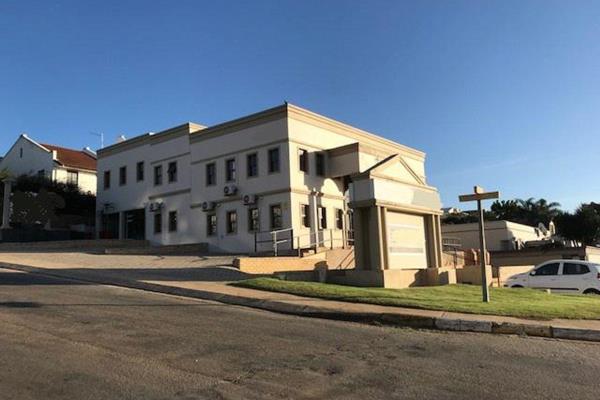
(320, 164)
(231, 221)
(158, 175)
(274, 160)
(172, 171)
(230, 170)
(72, 177)
(211, 174)
(139, 171)
(252, 165)
(276, 216)
(305, 215)
(172, 221)
(106, 179)
(122, 176)
(303, 160)
(21, 152)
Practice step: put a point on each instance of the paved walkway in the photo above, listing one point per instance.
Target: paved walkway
(206, 278)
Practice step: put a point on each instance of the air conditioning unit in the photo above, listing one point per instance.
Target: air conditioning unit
(156, 206)
(230, 190)
(208, 205)
(250, 199)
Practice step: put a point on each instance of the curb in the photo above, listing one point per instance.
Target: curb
(387, 319)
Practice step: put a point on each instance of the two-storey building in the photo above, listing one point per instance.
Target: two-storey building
(278, 178)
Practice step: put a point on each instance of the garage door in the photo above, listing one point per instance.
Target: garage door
(406, 240)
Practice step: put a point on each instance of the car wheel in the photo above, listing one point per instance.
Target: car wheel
(592, 291)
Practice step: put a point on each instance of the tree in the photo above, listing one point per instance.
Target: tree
(529, 212)
(583, 225)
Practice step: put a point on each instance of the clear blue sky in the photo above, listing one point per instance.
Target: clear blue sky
(503, 94)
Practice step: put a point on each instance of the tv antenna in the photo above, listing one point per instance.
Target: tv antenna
(101, 136)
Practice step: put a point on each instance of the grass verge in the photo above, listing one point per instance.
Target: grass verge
(522, 303)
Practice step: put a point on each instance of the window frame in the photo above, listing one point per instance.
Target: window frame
(70, 172)
(106, 180)
(230, 174)
(251, 227)
(158, 175)
(320, 169)
(231, 227)
(270, 169)
(271, 216)
(172, 223)
(322, 217)
(172, 173)
(305, 219)
(303, 160)
(339, 219)
(209, 225)
(248, 169)
(210, 166)
(123, 175)
(140, 172)
(157, 228)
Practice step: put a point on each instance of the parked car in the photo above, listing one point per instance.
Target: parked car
(564, 276)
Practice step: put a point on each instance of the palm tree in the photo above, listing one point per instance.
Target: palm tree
(536, 211)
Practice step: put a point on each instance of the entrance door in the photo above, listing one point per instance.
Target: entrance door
(110, 226)
(135, 224)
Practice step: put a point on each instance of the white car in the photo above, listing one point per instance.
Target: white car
(564, 276)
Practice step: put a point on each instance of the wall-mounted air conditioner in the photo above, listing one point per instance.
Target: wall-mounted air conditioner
(230, 190)
(250, 199)
(208, 205)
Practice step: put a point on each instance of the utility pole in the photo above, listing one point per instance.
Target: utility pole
(479, 195)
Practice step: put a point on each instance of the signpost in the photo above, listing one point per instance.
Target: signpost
(479, 195)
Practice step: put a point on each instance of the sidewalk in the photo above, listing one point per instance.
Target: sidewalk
(310, 307)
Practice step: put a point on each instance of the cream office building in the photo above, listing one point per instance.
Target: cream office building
(285, 173)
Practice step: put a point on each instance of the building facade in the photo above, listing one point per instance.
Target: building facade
(278, 179)
(28, 157)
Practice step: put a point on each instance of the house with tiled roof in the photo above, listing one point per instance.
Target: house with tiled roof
(29, 157)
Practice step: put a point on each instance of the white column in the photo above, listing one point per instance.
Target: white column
(6, 204)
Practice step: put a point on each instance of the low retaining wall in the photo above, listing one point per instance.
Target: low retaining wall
(180, 249)
(471, 274)
(501, 274)
(270, 265)
(72, 244)
(393, 278)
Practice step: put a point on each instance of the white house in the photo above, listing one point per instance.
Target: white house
(28, 157)
(284, 173)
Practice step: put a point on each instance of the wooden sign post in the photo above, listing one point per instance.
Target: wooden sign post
(479, 195)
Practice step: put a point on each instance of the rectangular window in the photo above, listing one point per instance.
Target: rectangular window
(275, 214)
(322, 211)
(230, 170)
(72, 177)
(320, 164)
(172, 221)
(172, 171)
(303, 160)
(139, 171)
(231, 221)
(158, 175)
(253, 219)
(211, 224)
(339, 219)
(106, 179)
(21, 152)
(211, 174)
(274, 160)
(157, 223)
(122, 176)
(305, 214)
(252, 165)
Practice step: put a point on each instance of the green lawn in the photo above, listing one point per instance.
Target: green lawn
(523, 303)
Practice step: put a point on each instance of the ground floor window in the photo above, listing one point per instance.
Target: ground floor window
(211, 224)
(322, 212)
(72, 177)
(157, 223)
(231, 221)
(173, 221)
(339, 218)
(253, 219)
(275, 214)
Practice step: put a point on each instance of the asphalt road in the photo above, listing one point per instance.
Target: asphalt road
(61, 339)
